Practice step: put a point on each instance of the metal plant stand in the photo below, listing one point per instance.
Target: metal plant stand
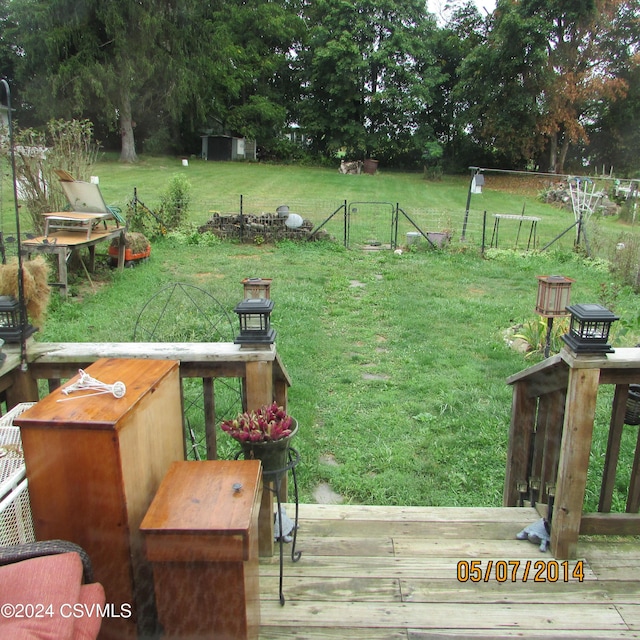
(276, 477)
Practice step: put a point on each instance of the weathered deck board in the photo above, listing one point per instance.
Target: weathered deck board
(367, 567)
(445, 615)
(390, 573)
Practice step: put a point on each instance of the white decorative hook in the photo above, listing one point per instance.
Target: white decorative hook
(87, 383)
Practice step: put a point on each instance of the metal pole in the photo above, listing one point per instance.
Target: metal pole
(484, 231)
(21, 305)
(474, 170)
(547, 344)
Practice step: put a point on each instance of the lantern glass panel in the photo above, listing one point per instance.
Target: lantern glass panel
(253, 322)
(554, 293)
(257, 288)
(9, 316)
(590, 329)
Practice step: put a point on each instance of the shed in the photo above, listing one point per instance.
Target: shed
(223, 147)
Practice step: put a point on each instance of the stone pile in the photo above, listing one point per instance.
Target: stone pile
(559, 194)
(266, 227)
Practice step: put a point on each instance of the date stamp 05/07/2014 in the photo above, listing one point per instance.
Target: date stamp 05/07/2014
(520, 571)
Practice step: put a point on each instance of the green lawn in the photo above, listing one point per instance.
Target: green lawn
(316, 193)
(398, 362)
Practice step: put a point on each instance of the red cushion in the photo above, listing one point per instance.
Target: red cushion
(37, 589)
(92, 599)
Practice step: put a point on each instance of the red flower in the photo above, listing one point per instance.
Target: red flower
(267, 424)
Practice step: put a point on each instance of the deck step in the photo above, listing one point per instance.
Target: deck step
(391, 573)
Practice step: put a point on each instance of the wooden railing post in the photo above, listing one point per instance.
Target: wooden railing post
(577, 433)
(616, 425)
(24, 388)
(259, 383)
(523, 417)
(210, 418)
(259, 391)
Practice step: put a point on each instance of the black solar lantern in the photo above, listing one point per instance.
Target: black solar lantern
(255, 323)
(589, 329)
(11, 329)
(257, 288)
(554, 293)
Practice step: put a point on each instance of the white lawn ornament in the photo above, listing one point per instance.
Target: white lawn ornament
(537, 533)
(95, 387)
(584, 200)
(293, 221)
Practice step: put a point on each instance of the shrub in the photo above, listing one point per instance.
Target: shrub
(624, 262)
(534, 333)
(67, 145)
(174, 204)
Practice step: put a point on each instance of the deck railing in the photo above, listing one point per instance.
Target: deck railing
(552, 419)
(262, 375)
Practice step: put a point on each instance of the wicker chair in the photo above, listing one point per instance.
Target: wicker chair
(47, 590)
(632, 413)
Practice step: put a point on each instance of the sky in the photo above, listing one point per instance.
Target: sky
(489, 5)
(435, 6)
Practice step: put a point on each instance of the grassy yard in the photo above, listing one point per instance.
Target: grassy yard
(315, 193)
(398, 362)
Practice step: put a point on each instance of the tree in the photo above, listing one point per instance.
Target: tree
(369, 77)
(8, 56)
(463, 30)
(500, 81)
(543, 69)
(579, 69)
(103, 59)
(242, 52)
(615, 135)
(158, 64)
(614, 128)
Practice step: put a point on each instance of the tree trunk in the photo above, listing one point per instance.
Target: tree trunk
(563, 154)
(128, 149)
(553, 151)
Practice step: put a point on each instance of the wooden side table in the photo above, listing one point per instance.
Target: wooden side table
(62, 243)
(201, 537)
(94, 464)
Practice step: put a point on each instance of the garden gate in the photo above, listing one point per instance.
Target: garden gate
(371, 224)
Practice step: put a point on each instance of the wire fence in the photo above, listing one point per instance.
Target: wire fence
(397, 224)
(371, 223)
(361, 223)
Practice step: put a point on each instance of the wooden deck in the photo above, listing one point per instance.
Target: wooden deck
(390, 573)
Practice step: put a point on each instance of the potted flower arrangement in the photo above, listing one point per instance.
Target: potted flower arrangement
(264, 434)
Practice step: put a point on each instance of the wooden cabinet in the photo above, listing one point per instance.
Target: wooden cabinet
(94, 464)
(201, 535)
